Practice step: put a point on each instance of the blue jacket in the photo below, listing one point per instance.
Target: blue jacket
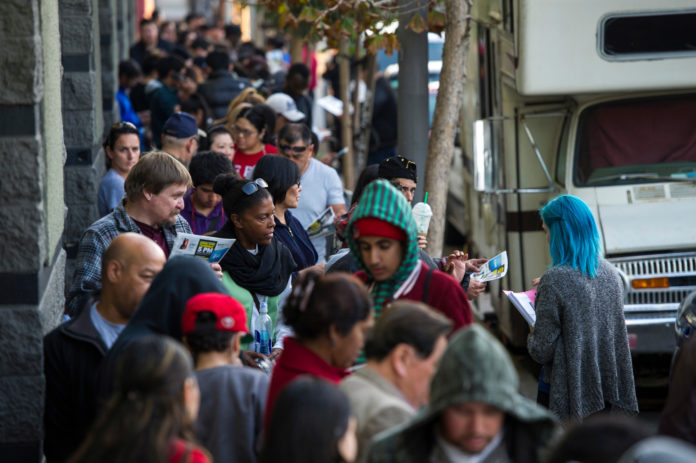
(295, 238)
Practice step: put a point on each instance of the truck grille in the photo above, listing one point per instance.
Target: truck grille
(679, 268)
(657, 266)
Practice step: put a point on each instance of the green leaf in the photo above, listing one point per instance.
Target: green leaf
(308, 14)
(348, 25)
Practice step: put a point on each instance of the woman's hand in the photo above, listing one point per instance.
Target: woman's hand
(314, 268)
(249, 357)
(455, 265)
(535, 282)
(422, 241)
(473, 265)
(475, 288)
(275, 353)
(217, 269)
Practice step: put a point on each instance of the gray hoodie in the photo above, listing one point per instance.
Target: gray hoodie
(475, 367)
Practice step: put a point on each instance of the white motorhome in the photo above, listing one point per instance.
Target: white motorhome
(595, 99)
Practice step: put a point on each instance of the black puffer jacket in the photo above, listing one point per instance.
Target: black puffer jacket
(220, 89)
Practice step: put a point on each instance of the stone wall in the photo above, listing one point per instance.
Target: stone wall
(109, 61)
(82, 113)
(54, 88)
(31, 257)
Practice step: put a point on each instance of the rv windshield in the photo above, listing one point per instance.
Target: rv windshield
(637, 141)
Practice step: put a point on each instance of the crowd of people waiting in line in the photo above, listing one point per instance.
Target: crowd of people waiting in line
(375, 355)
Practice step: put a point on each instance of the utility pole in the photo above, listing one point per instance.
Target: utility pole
(413, 89)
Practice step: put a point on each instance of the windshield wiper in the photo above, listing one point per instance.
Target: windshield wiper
(641, 176)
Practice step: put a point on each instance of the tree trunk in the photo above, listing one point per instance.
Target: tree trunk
(357, 106)
(346, 120)
(362, 143)
(449, 100)
(296, 44)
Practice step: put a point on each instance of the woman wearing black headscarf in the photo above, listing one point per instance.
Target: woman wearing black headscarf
(257, 269)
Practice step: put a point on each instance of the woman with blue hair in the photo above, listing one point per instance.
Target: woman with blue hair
(580, 332)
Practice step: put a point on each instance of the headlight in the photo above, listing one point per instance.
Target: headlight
(686, 318)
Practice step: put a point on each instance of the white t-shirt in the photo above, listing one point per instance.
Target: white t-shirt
(321, 187)
(107, 330)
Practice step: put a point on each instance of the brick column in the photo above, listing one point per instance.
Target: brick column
(123, 8)
(109, 61)
(31, 192)
(82, 116)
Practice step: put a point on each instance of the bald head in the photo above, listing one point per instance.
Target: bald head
(131, 247)
(129, 265)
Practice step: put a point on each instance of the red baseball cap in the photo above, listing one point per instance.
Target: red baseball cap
(229, 313)
(372, 226)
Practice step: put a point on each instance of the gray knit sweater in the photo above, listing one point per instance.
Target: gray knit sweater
(580, 334)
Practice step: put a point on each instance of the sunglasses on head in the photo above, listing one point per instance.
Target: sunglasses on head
(254, 186)
(120, 125)
(294, 149)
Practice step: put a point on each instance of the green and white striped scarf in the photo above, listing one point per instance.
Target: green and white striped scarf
(382, 201)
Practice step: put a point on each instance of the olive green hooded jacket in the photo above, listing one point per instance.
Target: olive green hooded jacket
(475, 367)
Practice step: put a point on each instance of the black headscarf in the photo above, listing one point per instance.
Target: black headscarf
(266, 272)
(162, 308)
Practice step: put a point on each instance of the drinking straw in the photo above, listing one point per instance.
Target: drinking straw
(425, 200)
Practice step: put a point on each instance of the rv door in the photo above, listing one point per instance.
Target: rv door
(486, 155)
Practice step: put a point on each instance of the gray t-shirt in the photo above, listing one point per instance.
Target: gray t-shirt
(321, 187)
(107, 330)
(230, 420)
(110, 192)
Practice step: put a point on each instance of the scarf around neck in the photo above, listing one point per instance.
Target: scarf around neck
(266, 272)
(382, 201)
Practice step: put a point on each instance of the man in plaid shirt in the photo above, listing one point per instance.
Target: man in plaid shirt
(155, 189)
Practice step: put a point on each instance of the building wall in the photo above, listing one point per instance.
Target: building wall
(52, 76)
(31, 255)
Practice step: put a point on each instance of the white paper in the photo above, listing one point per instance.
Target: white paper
(331, 104)
(209, 248)
(524, 303)
(323, 225)
(494, 269)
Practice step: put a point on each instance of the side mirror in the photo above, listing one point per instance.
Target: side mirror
(485, 157)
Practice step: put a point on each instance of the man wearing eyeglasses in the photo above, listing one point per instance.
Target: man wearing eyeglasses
(321, 185)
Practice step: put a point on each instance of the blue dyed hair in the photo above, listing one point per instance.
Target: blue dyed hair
(573, 232)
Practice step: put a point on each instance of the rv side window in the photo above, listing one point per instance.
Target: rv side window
(636, 141)
(562, 155)
(485, 75)
(648, 35)
(508, 18)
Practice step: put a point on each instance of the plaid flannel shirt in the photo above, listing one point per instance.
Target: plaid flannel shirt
(87, 279)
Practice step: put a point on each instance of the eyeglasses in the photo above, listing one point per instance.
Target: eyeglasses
(254, 186)
(294, 149)
(243, 132)
(120, 125)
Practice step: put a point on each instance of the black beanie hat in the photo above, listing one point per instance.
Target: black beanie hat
(397, 167)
